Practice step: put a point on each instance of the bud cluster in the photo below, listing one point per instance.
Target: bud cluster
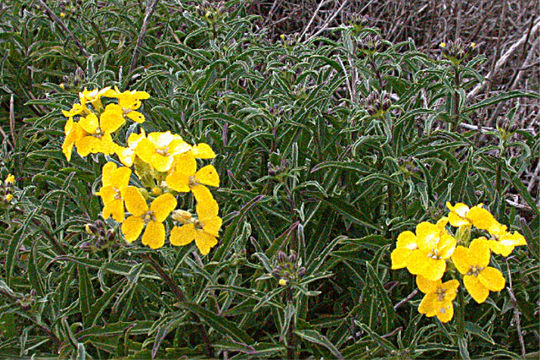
(102, 237)
(288, 269)
(371, 43)
(457, 51)
(377, 103)
(211, 12)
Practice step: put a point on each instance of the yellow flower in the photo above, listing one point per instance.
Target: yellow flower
(94, 97)
(62, 14)
(282, 282)
(184, 175)
(130, 100)
(461, 215)
(435, 246)
(443, 45)
(142, 215)
(204, 230)
(97, 135)
(479, 278)
(159, 149)
(115, 182)
(127, 154)
(10, 179)
(438, 298)
(504, 242)
(9, 198)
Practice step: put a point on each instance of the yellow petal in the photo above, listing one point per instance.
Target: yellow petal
(125, 155)
(399, 258)
(408, 240)
(182, 235)
(212, 225)
(161, 163)
(451, 289)
(88, 144)
(204, 241)
(478, 291)
(427, 286)
(427, 306)
(89, 123)
(107, 173)
(460, 258)
(145, 150)
(162, 206)
(492, 279)
(136, 116)
(112, 118)
(434, 269)
(445, 311)
(481, 218)
(135, 202)
(208, 176)
(203, 151)
(178, 146)
(117, 210)
(154, 235)
(185, 164)
(121, 177)
(131, 228)
(178, 181)
(428, 235)
(479, 254)
(457, 221)
(416, 261)
(203, 195)
(446, 246)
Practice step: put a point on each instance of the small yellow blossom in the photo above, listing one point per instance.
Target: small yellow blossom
(10, 179)
(282, 282)
(94, 97)
(204, 230)
(473, 263)
(443, 45)
(62, 86)
(150, 217)
(160, 148)
(434, 247)
(9, 198)
(96, 135)
(115, 182)
(184, 175)
(62, 14)
(460, 215)
(503, 242)
(438, 298)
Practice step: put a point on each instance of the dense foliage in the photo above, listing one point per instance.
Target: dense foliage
(327, 149)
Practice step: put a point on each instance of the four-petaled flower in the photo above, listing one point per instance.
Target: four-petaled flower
(159, 149)
(204, 229)
(438, 298)
(503, 242)
(96, 136)
(152, 217)
(435, 245)
(184, 175)
(460, 215)
(473, 263)
(115, 182)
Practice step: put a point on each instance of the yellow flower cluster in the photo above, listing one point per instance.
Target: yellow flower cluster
(163, 162)
(6, 191)
(425, 254)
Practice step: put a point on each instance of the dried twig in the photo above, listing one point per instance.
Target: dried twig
(510, 290)
(504, 58)
(328, 21)
(65, 30)
(149, 11)
(409, 297)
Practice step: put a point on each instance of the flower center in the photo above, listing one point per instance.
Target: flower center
(149, 216)
(440, 294)
(434, 254)
(193, 181)
(117, 194)
(163, 151)
(99, 133)
(198, 225)
(475, 270)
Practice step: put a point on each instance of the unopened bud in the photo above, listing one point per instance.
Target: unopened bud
(182, 216)
(282, 257)
(301, 272)
(91, 229)
(110, 235)
(282, 282)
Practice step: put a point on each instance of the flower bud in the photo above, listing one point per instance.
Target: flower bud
(282, 257)
(282, 282)
(182, 216)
